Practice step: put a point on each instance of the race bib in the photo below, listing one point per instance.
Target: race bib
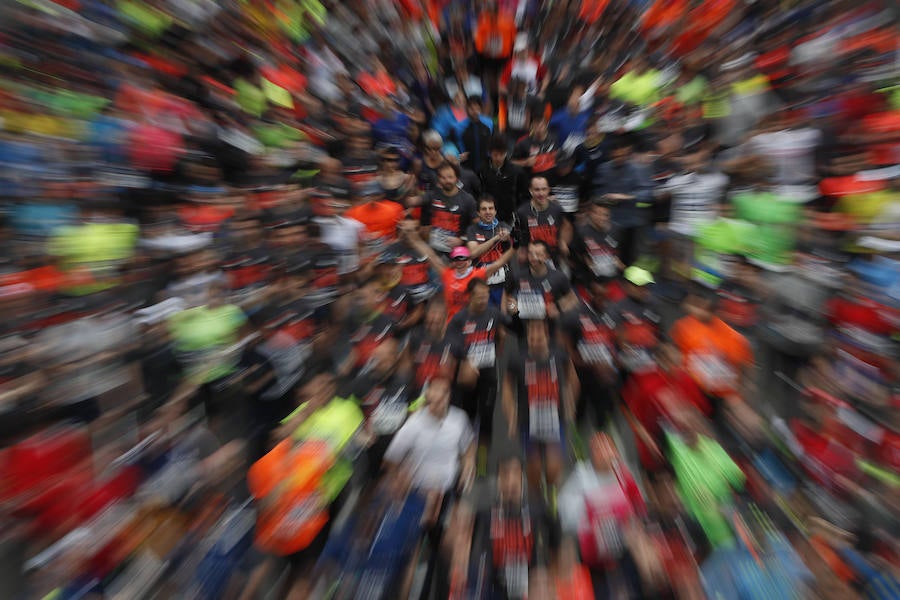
(482, 354)
(595, 353)
(531, 306)
(543, 421)
(714, 372)
(438, 239)
(603, 265)
(637, 359)
(515, 578)
(494, 46)
(388, 417)
(607, 536)
(498, 277)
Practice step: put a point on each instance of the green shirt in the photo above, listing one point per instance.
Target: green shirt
(200, 332)
(335, 423)
(705, 477)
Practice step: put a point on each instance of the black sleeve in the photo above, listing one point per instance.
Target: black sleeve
(561, 285)
(522, 149)
(425, 219)
(467, 214)
(524, 232)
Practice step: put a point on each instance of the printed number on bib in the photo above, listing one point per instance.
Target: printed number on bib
(498, 277)
(543, 421)
(515, 576)
(482, 354)
(603, 265)
(594, 354)
(532, 306)
(712, 370)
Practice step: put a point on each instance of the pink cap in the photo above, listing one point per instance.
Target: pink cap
(460, 251)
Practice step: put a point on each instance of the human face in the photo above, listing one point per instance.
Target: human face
(600, 217)
(509, 479)
(478, 300)
(620, 155)
(433, 150)
(537, 256)
(539, 129)
(540, 192)
(320, 390)
(438, 397)
(603, 453)
(369, 297)
(447, 180)
(435, 318)
(384, 357)
(487, 211)
(462, 264)
(473, 109)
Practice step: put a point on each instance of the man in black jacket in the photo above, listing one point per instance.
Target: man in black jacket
(502, 180)
(474, 136)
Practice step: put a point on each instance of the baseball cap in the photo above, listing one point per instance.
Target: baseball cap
(638, 276)
(460, 252)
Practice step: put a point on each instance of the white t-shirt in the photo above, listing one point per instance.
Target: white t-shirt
(695, 199)
(792, 154)
(343, 235)
(432, 448)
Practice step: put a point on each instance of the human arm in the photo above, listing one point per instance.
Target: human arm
(499, 263)
(508, 403)
(477, 250)
(413, 238)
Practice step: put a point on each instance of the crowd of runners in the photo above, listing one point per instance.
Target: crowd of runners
(485, 299)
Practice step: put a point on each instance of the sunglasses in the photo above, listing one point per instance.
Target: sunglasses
(460, 259)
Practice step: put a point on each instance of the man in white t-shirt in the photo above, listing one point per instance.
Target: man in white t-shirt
(696, 195)
(436, 443)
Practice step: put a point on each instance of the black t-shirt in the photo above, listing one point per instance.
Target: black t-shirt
(544, 152)
(366, 334)
(397, 302)
(592, 335)
(384, 401)
(415, 271)
(566, 189)
(475, 336)
(534, 293)
(540, 225)
(479, 233)
(447, 216)
(513, 538)
(595, 253)
(429, 355)
(540, 382)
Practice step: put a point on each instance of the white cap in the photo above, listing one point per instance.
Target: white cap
(521, 42)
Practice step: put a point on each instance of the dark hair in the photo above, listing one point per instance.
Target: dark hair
(545, 245)
(471, 100)
(498, 142)
(533, 177)
(486, 198)
(621, 142)
(448, 165)
(476, 283)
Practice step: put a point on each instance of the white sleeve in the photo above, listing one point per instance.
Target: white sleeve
(466, 435)
(402, 444)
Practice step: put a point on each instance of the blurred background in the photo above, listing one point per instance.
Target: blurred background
(242, 356)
